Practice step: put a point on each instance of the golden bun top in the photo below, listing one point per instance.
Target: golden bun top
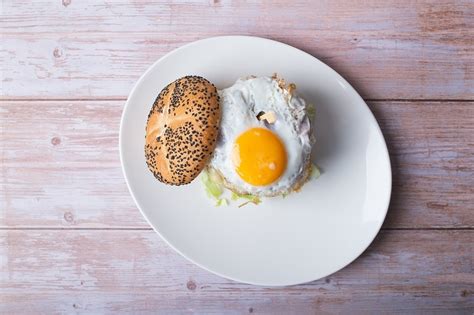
(182, 130)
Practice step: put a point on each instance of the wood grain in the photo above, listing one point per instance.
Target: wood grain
(60, 164)
(431, 147)
(73, 241)
(134, 272)
(387, 50)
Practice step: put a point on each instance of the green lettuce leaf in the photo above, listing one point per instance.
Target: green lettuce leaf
(315, 172)
(222, 202)
(212, 187)
(250, 198)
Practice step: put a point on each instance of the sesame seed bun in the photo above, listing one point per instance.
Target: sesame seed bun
(182, 129)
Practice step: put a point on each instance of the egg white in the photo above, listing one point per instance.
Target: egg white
(240, 105)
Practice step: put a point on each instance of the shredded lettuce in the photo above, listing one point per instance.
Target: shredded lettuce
(310, 111)
(222, 202)
(244, 204)
(254, 199)
(250, 198)
(215, 177)
(315, 172)
(255, 202)
(234, 196)
(212, 187)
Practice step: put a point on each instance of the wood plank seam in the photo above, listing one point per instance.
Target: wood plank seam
(151, 229)
(106, 99)
(431, 156)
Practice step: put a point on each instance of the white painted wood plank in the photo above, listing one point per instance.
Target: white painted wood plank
(394, 49)
(135, 272)
(60, 164)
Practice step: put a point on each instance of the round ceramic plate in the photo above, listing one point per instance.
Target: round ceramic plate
(283, 241)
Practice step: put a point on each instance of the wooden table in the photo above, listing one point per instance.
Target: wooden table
(73, 241)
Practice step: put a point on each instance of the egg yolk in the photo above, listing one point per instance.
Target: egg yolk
(259, 156)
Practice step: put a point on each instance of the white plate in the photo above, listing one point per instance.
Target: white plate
(307, 235)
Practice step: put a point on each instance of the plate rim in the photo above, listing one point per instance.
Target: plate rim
(273, 42)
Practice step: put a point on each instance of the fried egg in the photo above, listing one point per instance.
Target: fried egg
(264, 157)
